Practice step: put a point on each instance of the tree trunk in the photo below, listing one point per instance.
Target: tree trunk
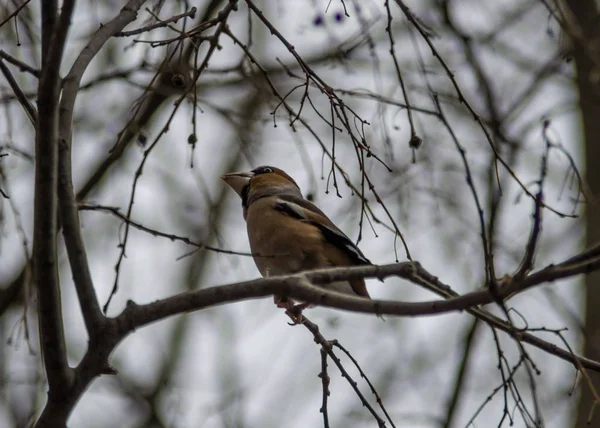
(585, 16)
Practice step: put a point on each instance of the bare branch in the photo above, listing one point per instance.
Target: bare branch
(25, 103)
(22, 66)
(68, 207)
(426, 37)
(45, 263)
(327, 347)
(190, 13)
(115, 212)
(337, 344)
(299, 287)
(295, 287)
(488, 259)
(214, 43)
(15, 12)
(325, 381)
(2, 192)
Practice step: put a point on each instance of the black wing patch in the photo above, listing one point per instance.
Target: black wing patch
(334, 236)
(344, 243)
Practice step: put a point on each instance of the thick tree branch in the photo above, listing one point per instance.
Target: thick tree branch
(64, 388)
(45, 269)
(300, 287)
(68, 206)
(49, 15)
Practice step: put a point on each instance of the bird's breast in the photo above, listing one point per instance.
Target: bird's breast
(280, 244)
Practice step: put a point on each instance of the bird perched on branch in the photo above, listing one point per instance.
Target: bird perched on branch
(289, 234)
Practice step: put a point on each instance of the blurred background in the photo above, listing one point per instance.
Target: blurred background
(478, 76)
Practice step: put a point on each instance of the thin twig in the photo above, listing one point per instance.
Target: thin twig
(327, 347)
(325, 380)
(214, 43)
(117, 213)
(337, 344)
(189, 14)
(18, 63)
(25, 103)
(490, 277)
(15, 13)
(426, 37)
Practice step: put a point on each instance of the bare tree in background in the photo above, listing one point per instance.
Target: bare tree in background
(580, 22)
(444, 134)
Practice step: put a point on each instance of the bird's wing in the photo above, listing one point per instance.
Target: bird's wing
(304, 210)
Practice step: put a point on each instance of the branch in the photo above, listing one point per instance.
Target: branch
(21, 96)
(296, 287)
(488, 258)
(213, 46)
(2, 192)
(461, 97)
(64, 387)
(140, 118)
(461, 374)
(20, 64)
(68, 207)
(45, 268)
(118, 214)
(337, 344)
(299, 287)
(327, 349)
(190, 13)
(536, 225)
(15, 13)
(148, 107)
(325, 381)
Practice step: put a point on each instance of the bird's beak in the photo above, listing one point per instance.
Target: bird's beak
(237, 180)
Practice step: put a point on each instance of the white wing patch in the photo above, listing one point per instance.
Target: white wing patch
(292, 209)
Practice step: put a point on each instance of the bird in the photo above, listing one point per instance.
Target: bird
(289, 234)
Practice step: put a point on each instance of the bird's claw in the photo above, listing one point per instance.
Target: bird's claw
(295, 312)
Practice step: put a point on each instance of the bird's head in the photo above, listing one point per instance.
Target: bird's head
(261, 182)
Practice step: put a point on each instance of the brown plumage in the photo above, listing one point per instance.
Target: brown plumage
(289, 234)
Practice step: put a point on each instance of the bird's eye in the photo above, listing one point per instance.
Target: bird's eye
(263, 170)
